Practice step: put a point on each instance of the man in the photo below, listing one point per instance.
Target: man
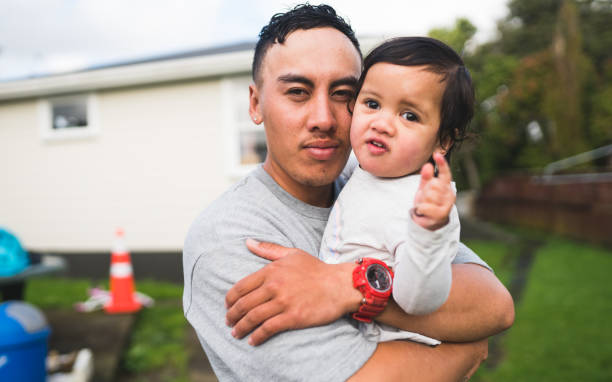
(305, 69)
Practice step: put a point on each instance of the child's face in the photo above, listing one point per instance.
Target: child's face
(396, 119)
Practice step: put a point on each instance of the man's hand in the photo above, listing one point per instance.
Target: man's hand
(434, 198)
(295, 291)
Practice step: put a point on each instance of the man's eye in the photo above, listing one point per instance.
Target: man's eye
(344, 95)
(296, 91)
(371, 104)
(410, 116)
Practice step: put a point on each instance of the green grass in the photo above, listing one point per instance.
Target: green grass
(58, 293)
(561, 331)
(500, 256)
(158, 340)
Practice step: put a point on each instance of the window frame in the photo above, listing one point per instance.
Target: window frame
(45, 111)
(232, 88)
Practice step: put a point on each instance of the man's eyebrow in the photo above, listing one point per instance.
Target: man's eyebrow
(288, 78)
(350, 81)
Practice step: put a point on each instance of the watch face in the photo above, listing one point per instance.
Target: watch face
(378, 277)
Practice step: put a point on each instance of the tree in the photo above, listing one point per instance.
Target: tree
(543, 87)
(563, 98)
(551, 65)
(456, 37)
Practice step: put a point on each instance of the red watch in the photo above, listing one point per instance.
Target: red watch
(374, 279)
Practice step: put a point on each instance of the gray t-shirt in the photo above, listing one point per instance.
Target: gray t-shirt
(215, 258)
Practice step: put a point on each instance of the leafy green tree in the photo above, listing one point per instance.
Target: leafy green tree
(551, 63)
(543, 87)
(600, 103)
(455, 37)
(563, 99)
(528, 27)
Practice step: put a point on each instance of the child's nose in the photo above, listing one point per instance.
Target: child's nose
(383, 125)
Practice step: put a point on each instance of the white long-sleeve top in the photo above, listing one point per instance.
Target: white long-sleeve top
(371, 218)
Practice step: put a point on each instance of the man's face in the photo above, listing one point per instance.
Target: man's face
(301, 96)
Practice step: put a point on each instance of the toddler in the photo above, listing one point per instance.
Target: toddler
(415, 99)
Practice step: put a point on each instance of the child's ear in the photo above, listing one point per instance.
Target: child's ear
(254, 105)
(445, 146)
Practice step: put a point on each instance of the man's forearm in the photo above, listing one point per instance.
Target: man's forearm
(478, 306)
(410, 361)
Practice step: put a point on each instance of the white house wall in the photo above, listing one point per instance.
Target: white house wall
(153, 166)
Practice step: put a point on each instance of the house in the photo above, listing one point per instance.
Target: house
(143, 145)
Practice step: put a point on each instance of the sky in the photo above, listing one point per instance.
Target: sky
(40, 37)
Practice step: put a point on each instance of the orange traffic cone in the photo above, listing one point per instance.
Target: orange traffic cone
(121, 279)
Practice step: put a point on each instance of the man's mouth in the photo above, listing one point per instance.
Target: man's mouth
(322, 149)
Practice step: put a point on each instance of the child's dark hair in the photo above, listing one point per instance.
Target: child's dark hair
(303, 16)
(457, 107)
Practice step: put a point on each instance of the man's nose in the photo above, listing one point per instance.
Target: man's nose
(321, 113)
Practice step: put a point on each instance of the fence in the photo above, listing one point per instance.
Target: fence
(575, 206)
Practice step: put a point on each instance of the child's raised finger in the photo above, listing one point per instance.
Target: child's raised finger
(427, 173)
(444, 172)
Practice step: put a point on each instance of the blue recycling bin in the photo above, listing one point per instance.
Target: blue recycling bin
(23, 342)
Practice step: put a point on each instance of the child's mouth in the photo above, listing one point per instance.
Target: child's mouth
(376, 147)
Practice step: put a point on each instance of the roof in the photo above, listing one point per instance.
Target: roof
(200, 63)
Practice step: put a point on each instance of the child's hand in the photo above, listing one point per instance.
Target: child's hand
(435, 197)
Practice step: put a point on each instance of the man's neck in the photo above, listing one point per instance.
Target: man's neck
(318, 196)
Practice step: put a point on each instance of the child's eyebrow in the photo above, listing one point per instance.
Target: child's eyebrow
(369, 92)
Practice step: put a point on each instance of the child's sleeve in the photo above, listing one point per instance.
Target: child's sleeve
(422, 266)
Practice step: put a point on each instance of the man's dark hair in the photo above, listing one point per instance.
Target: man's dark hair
(303, 16)
(457, 107)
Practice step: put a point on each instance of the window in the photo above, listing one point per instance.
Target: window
(68, 117)
(247, 140)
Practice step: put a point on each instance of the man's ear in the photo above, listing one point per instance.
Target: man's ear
(254, 105)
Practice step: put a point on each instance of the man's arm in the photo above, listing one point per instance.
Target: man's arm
(478, 306)
(298, 290)
(410, 361)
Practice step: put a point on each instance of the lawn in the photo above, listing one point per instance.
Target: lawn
(157, 344)
(561, 331)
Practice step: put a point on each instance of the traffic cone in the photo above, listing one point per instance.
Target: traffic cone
(122, 297)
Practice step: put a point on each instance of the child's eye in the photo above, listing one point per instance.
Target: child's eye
(409, 116)
(371, 104)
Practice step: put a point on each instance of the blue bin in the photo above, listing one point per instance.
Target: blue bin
(23, 342)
